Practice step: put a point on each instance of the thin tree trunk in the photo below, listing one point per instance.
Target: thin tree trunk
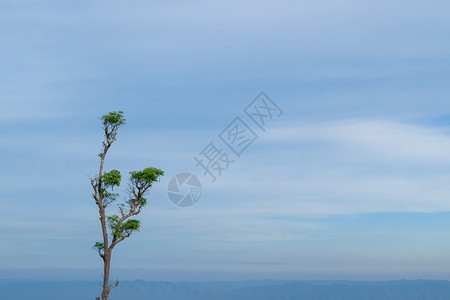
(106, 267)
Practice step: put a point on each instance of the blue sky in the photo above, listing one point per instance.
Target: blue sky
(351, 182)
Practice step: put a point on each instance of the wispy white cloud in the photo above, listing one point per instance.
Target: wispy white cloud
(387, 139)
(342, 167)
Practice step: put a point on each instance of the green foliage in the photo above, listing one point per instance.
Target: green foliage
(112, 178)
(131, 225)
(119, 230)
(141, 204)
(108, 197)
(100, 247)
(112, 221)
(113, 119)
(146, 177)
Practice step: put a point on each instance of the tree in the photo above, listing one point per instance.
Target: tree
(116, 228)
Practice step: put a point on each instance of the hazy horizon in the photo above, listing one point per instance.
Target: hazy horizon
(94, 274)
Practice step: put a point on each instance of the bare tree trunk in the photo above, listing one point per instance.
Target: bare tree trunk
(106, 267)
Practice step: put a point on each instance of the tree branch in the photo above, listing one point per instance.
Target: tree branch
(114, 285)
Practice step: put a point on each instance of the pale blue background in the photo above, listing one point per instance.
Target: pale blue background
(352, 182)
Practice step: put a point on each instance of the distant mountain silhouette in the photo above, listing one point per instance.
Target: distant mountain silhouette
(239, 290)
(392, 290)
